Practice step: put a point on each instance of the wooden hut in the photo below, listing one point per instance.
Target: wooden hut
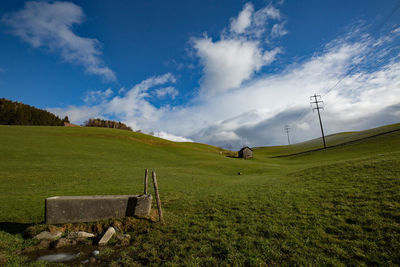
(245, 152)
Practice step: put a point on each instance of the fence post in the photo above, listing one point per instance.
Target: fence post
(146, 175)
(157, 198)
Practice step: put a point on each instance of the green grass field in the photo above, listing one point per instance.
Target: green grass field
(339, 206)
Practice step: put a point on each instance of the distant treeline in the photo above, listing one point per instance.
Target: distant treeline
(107, 124)
(17, 113)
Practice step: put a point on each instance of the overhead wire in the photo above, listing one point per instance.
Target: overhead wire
(307, 112)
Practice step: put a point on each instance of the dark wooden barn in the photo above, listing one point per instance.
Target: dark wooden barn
(245, 152)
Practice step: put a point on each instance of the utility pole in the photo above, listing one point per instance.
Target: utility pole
(287, 132)
(317, 100)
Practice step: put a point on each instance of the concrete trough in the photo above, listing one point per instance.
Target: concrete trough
(71, 209)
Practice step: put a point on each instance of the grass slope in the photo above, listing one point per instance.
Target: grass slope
(332, 140)
(339, 206)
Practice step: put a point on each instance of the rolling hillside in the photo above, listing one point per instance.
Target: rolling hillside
(339, 206)
(332, 140)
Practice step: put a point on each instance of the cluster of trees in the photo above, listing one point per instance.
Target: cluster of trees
(107, 124)
(17, 113)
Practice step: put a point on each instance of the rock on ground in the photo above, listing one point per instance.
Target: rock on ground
(80, 234)
(48, 236)
(107, 236)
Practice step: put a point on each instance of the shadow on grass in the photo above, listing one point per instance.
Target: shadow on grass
(14, 228)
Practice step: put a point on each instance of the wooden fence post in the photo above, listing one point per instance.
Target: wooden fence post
(146, 175)
(153, 174)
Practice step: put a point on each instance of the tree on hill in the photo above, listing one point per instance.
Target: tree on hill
(17, 113)
(97, 122)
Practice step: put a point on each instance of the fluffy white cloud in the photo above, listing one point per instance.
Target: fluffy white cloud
(268, 12)
(131, 107)
(166, 91)
(172, 137)
(237, 55)
(78, 114)
(49, 25)
(243, 21)
(227, 63)
(97, 96)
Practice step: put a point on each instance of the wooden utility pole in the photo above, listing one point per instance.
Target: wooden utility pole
(153, 174)
(146, 178)
(317, 107)
(287, 132)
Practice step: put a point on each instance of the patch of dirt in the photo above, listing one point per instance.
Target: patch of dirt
(66, 124)
(3, 259)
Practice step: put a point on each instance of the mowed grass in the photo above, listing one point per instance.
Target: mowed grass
(339, 206)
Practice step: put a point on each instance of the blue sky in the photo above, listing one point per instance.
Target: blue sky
(227, 73)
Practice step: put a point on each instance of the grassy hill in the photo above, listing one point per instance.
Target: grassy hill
(332, 140)
(339, 206)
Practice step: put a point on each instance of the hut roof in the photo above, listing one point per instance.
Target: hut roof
(243, 148)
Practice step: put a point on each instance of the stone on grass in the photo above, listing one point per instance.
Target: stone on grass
(107, 236)
(48, 236)
(80, 234)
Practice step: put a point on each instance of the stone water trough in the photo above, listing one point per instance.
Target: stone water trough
(72, 209)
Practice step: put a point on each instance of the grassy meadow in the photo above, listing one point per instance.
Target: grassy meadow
(339, 206)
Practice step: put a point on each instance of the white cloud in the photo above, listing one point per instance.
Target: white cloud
(97, 96)
(78, 114)
(121, 90)
(133, 107)
(278, 30)
(236, 56)
(166, 91)
(267, 13)
(227, 63)
(396, 30)
(49, 25)
(243, 21)
(172, 137)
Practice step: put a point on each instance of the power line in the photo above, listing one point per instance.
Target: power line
(373, 33)
(378, 64)
(388, 16)
(317, 101)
